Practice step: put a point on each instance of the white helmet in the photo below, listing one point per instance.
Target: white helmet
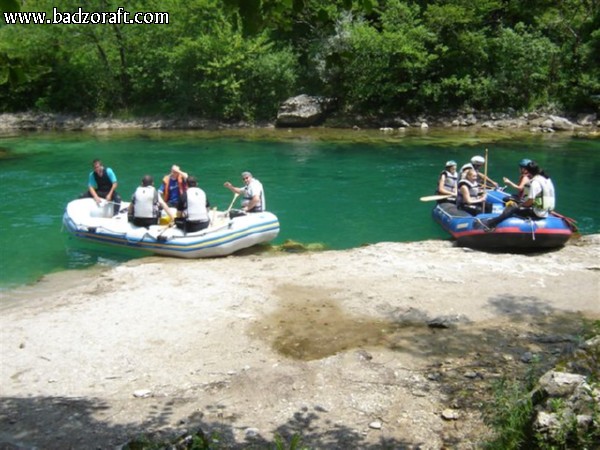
(479, 160)
(466, 166)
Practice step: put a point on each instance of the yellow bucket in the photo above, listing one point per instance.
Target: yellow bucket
(164, 219)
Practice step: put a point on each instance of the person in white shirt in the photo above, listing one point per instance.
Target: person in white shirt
(540, 200)
(253, 194)
(146, 203)
(193, 206)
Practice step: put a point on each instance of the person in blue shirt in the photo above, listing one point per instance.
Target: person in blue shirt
(102, 184)
(173, 186)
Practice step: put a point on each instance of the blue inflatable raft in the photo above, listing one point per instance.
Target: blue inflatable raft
(514, 233)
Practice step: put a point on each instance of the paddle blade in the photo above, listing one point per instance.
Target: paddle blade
(431, 198)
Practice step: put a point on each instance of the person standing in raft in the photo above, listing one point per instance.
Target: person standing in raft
(193, 206)
(173, 185)
(539, 202)
(146, 203)
(102, 184)
(448, 183)
(253, 194)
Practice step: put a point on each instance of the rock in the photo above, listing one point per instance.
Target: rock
(376, 425)
(446, 321)
(593, 343)
(527, 357)
(401, 123)
(586, 120)
(450, 414)
(561, 124)
(142, 393)
(560, 384)
(545, 422)
(251, 432)
(303, 111)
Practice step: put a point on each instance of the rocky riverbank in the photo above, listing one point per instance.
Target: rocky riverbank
(301, 115)
(393, 345)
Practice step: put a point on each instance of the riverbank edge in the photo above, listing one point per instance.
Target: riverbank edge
(581, 125)
(65, 280)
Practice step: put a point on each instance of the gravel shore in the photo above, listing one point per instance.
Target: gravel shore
(354, 348)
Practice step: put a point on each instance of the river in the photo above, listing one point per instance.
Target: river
(338, 188)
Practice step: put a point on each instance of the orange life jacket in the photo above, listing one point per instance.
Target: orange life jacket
(166, 183)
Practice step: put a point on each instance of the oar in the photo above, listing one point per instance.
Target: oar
(159, 236)
(235, 196)
(430, 198)
(572, 223)
(485, 177)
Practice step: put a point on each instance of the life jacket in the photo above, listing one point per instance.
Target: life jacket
(473, 191)
(250, 191)
(103, 182)
(545, 200)
(450, 182)
(145, 202)
(167, 185)
(196, 205)
(524, 193)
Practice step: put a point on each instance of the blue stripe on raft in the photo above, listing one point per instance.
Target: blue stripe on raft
(181, 247)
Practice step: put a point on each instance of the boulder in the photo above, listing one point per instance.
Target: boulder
(303, 111)
(586, 120)
(561, 124)
(557, 384)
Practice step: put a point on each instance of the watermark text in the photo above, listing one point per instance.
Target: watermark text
(80, 16)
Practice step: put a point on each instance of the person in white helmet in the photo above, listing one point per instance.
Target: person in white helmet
(478, 162)
(463, 170)
(447, 182)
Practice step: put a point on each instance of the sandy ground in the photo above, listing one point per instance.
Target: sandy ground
(336, 346)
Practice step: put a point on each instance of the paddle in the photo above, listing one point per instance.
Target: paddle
(235, 196)
(572, 223)
(485, 167)
(159, 236)
(430, 198)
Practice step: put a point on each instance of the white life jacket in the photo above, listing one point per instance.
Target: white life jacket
(145, 202)
(451, 180)
(255, 187)
(545, 199)
(473, 188)
(196, 205)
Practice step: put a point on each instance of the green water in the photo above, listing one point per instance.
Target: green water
(343, 193)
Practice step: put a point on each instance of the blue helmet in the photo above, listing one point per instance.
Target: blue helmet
(523, 163)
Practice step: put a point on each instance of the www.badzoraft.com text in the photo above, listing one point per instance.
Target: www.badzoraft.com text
(120, 16)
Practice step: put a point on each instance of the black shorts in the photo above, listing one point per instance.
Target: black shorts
(191, 226)
(144, 221)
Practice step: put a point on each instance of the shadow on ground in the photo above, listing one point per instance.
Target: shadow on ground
(525, 324)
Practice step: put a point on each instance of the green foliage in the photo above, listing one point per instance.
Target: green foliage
(382, 68)
(510, 414)
(9, 5)
(294, 444)
(569, 434)
(522, 64)
(239, 59)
